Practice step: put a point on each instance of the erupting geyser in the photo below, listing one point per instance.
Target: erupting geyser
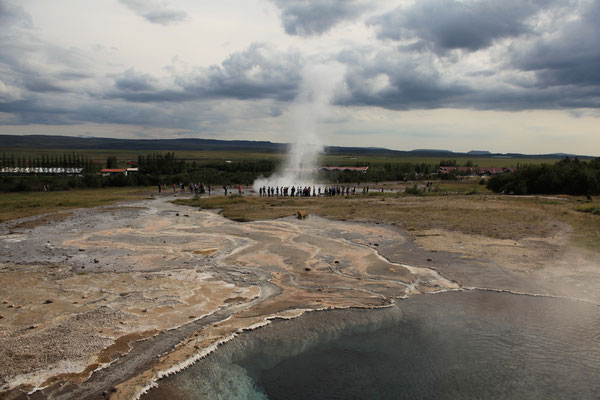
(319, 84)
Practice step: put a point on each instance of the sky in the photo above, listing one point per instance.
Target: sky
(504, 76)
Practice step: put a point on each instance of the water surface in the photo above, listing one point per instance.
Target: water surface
(471, 345)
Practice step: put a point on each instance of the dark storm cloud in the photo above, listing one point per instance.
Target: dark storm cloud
(132, 81)
(306, 18)
(155, 12)
(569, 57)
(554, 64)
(256, 73)
(413, 82)
(549, 65)
(560, 73)
(442, 25)
(43, 85)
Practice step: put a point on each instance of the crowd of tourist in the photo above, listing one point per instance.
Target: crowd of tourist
(307, 191)
(271, 191)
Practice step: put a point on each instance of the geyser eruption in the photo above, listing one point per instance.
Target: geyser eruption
(319, 83)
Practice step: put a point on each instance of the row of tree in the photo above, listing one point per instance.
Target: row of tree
(568, 176)
(65, 160)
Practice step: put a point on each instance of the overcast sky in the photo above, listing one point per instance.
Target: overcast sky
(502, 75)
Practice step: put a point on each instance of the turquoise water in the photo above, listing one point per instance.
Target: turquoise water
(472, 345)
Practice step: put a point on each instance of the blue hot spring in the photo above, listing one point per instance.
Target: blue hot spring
(461, 345)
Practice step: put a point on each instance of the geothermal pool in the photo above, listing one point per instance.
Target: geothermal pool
(460, 345)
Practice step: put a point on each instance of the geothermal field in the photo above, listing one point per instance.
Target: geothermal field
(110, 301)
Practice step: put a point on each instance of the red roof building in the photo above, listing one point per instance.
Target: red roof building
(113, 171)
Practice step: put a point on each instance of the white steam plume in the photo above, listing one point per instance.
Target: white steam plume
(319, 83)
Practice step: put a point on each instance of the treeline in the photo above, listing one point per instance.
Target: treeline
(66, 160)
(166, 168)
(159, 168)
(153, 169)
(379, 172)
(568, 176)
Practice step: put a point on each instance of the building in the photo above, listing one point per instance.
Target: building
(113, 171)
(40, 171)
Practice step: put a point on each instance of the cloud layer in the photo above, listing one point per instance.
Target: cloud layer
(430, 54)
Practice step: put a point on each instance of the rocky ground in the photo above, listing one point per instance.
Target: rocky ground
(107, 300)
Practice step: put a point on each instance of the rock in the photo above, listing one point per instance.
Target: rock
(5, 302)
(307, 269)
(81, 249)
(302, 214)
(49, 301)
(33, 326)
(177, 214)
(11, 306)
(96, 261)
(85, 296)
(375, 244)
(1, 316)
(336, 261)
(429, 259)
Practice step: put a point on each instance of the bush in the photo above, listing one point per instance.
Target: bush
(413, 190)
(565, 177)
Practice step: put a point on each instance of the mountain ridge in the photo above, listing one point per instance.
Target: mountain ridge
(91, 143)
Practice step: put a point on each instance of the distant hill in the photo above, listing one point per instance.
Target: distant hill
(81, 143)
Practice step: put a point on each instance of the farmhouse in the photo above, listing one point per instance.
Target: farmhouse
(113, 171)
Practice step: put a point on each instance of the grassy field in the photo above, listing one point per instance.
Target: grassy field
(465, 207)
(501, 217)
(339, 160)
(343, 160)
(20, 205)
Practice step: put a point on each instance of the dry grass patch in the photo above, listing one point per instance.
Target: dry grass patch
(499, 217)
(21, 205)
